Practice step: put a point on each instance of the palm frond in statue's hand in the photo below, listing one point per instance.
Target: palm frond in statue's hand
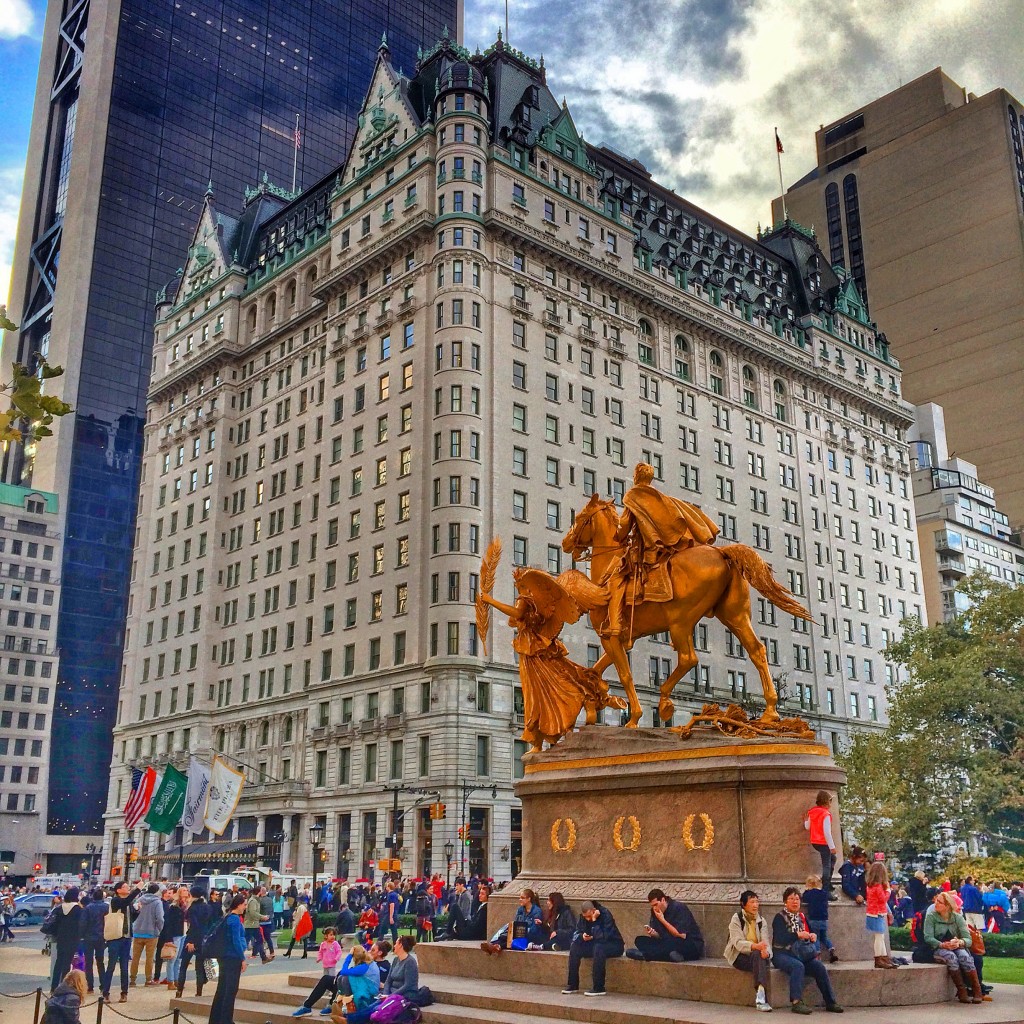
(488, 574)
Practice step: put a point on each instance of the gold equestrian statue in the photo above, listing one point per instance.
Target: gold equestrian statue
(655, 569)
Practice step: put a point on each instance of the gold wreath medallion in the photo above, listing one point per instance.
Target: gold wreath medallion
(709, 832)
(570, 839)
(634, 825)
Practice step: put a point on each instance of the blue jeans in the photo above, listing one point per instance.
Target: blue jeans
(119, 951)
(171, 970)
(820, 928)
(797, 971)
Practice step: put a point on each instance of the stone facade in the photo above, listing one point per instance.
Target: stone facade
(479, 321)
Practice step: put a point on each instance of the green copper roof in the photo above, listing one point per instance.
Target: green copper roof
(13, 494)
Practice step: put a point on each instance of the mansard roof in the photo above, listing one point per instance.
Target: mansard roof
(781, 272)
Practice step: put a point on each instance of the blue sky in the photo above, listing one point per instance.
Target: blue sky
(693, 88)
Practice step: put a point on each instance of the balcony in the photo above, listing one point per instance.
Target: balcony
(587, 336)
(369, 726)
(520, 305)
(552, 318)
(394, 722)
(952, 567)
(947, 540)
(361, 331)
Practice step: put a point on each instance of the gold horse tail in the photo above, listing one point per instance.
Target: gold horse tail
(758, 573)
(585, 592)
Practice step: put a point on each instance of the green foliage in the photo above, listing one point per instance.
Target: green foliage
(951, 761)
(999, 945)
(31, 412)
(1004, 867)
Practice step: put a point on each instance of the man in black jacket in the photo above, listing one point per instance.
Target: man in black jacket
(672, 933)
(200, 917)
(69, 921)
(597, 937)
(92, 936)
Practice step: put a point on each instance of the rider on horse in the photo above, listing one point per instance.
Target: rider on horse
(651, 528)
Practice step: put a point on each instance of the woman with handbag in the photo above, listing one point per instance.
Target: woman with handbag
(795, 953)
(200, 917)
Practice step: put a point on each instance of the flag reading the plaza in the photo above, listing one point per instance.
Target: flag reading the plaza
(168, 801)
(143, 783)
(225, 789)
(195, 796)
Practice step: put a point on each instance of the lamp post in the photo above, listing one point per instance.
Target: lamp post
(467, 788)
(91, 849)
(449, 850)
(129, 849)
(316, 837)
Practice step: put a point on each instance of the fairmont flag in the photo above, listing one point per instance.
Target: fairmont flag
(195, 797)
(778, 142)
(225, 789)
(168, 801)
(143, 783)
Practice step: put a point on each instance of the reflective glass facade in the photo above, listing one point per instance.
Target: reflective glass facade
(203, 92)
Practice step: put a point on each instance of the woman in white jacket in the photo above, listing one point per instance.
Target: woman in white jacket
(749, 947)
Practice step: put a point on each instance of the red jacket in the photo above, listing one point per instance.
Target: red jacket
(877, 901)
(817, 816)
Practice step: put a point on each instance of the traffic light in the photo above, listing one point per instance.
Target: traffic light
(437, 811)
(464, 835)
(37, 868)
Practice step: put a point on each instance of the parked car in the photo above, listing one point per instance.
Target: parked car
(32, 908)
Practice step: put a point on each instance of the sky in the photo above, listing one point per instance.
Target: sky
(691, 88)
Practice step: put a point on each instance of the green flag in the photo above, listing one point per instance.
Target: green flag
(165, 810)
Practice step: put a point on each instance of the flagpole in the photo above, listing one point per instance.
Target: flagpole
(295, 154)
(782, 188)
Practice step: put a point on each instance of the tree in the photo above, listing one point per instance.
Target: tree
(951, 761)
(30, 413)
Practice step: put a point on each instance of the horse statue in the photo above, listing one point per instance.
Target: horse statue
(707, 582)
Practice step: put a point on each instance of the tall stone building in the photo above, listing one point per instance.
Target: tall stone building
(30, 585)
(921, 196)
(139, 105)
(479, 320)
(960, 529)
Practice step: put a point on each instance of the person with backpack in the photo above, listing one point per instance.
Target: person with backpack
(327, 956)
(226, 944)
(93, 943)
(64, 925)
(117, 932)
(149, 922)
(200, 917)
(425, 912)
(749, 947)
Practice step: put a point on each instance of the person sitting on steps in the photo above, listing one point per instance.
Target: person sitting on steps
(749, 947)
(947, 935)
(597, 937)
(672, 933)
(794, 953)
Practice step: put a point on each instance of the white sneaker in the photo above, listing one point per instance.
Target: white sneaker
(761, 1002)
(570, 991)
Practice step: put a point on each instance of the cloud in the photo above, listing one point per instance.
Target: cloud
(16, 19)
(10, 199)
(694, 88)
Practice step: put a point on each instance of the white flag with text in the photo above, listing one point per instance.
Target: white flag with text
(195, 796)
(222, 798)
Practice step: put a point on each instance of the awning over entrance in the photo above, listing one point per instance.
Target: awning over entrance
(225, 851)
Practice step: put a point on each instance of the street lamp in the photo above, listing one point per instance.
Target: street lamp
(316, 837)
(129, 849)
(91, 848)
(449, 851)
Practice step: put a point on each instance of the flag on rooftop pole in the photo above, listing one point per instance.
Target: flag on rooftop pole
(778, 142)
(143, 783)
(225, 790)
(195, 796)
(168, 802)
(782, 188)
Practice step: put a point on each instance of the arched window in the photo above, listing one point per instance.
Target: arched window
(287, 730)
(717, 375)
(271, 308)
(682, 357)
(779, 390)
(834, 220)
(749, 387)
(242, 735)
(851, 203)
(289, 293)
(644, 327)
(250, 319)
(264, 734)
(220, 741)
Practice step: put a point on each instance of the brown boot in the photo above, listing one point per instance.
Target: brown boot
(880, 961)
(179, 991)
(199, 989)
(961, 990)
(975, 983)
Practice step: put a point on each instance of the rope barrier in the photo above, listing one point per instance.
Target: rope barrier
(113, 1009)
(20, 995)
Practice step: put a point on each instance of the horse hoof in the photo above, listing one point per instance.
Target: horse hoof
(665, 709)
(770, 715)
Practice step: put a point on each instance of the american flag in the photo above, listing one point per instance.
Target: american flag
(297, 137)
(140, 796)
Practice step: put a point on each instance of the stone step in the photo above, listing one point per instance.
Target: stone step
(707, 981)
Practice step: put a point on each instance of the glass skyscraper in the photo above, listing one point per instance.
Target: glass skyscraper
(140, 108)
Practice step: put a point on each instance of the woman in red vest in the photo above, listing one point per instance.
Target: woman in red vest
(818, 821)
